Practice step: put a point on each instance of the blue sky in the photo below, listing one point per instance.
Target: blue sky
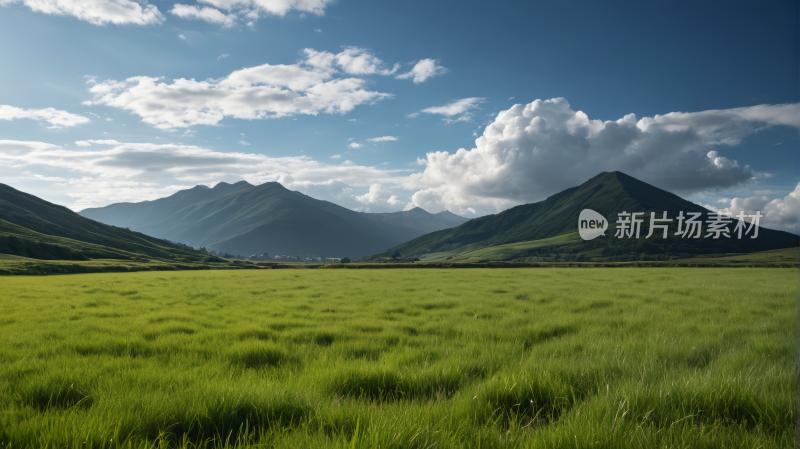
(367, 103)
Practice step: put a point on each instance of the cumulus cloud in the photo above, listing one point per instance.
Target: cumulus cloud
(383, 139)
(423, 70)
(532, 151)
(456, 111)
(265, 91)
(223, 56)
(206, 14)
(778, 213)
(354, 145)
(55, 117)
(97, 12)
(351, 60)
(380, 196)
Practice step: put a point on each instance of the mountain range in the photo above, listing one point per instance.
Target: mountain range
(34, 228)
(245, 219)
(557, 216)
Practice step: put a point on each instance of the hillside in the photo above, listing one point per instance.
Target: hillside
(607, 194)
(245, 219)
(34, 228)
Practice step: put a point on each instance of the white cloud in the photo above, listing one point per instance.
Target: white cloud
(378, 195)
(182, 36)
(318, 30)
(189, 133)
(206, 14)
(146, 171)
(55, 117)
(354, 145)
(50, 178)
(779, 213)
(223, 56)
(423, 70)
(462, 108)
(383, 139)
(243, 143)
(336, 156)
(265, 91)
(532, 151)
(97, 12)
(351, 60)
(254, 9)
(413, 115)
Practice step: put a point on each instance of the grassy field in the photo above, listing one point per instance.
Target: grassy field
(499, 252)
(536, 357)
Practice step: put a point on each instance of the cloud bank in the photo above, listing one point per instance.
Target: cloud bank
(93, 172)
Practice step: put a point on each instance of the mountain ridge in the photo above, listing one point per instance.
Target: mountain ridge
(245, 219)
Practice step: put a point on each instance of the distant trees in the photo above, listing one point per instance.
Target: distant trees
(346, 260)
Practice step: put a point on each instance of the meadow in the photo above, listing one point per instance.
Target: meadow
(446, 358)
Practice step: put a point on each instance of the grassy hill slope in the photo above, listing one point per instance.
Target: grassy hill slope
(34, 228)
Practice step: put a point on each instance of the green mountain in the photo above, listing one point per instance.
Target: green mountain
(419, 219)
(551, 226)
(136, 215)
(245, 219)
(34, 228)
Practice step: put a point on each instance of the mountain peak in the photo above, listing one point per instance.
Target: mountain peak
(273, 185)
(224, 185)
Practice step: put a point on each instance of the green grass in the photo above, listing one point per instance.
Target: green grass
(446, 358)
(507, 251)
(785, 255)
